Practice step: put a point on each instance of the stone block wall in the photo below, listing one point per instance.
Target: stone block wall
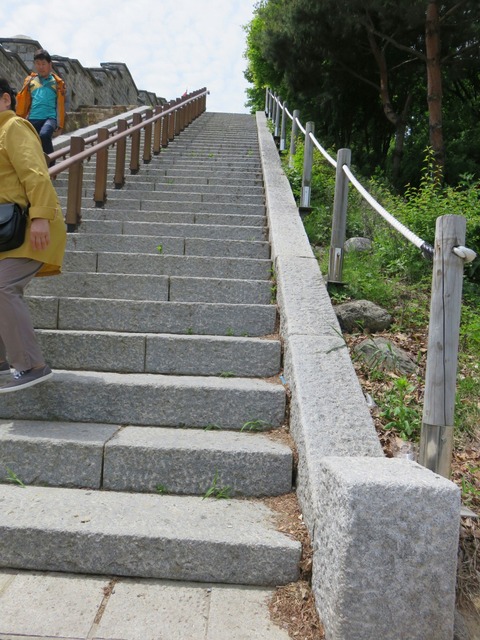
(107, 85)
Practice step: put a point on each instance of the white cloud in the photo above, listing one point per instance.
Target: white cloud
(168, 46)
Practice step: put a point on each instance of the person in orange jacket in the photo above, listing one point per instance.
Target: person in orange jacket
(41, 100)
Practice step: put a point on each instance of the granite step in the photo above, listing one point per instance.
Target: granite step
(145, 263)
(143, 459)
(191, 318)
(179, 230)
(154, 536)
(166, 354)
(149, 400)
(168, 245)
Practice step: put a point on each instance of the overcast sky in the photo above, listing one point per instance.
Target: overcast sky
(168, 45)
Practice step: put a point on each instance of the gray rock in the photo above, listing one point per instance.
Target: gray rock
(362, 314)
(381, 354)
(358, 244)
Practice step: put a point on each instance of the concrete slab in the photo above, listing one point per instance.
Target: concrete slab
(50, 605)
(241, 613)
(153, 610)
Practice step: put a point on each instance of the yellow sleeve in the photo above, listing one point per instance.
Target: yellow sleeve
(26, 155)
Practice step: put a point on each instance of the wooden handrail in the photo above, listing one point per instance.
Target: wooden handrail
(166, 123)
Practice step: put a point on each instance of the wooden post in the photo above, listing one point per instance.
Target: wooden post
(277, 119)
(436, 440)
(339, 221)
(135, 146)
(157, 131)
(293, 137)
(267, 98)
(121, 154)
(283, 129)
(75, 186)
(101, 167)
(304, 207)
(147, 138)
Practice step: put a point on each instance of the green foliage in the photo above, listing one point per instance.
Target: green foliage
(215, 491)
(401, 410)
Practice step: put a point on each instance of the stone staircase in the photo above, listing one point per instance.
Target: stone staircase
(162, 333)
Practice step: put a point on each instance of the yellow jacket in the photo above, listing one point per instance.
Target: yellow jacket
(24, 179)
(24, 98)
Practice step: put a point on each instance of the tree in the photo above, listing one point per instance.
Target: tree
(393, 55)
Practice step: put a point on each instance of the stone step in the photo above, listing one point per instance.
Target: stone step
(179, 230)
(165, 217)
(149, 177)
(193, 195)
(149, 400)
(143, 459)
(152, 183)
(155, 536)
(161, 353)
(153, 288)
(191, 318)
(146, 202)
(168, 245)
(144, 263)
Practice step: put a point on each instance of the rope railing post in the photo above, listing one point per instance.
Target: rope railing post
(135, 147)
(339, 221)
(267, 98)
(101, 168)
(147, 140)
(75, 182)
(277, 120)
(283, 128)
(120, 156)
(436, 440)
(293, 137)
(304, 207)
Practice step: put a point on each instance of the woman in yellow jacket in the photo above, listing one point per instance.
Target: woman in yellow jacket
(24, 180)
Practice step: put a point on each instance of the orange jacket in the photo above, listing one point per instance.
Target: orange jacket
(24, 99)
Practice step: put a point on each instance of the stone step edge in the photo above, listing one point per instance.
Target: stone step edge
(155, 460)
(144, 535)
(161, 353)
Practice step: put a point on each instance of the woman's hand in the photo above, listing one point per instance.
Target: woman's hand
(39, 234)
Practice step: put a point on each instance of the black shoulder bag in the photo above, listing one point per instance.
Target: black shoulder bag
(13, 223)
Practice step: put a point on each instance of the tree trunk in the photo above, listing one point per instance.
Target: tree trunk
(434, 83)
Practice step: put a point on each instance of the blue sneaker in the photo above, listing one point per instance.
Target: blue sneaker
(24, 379)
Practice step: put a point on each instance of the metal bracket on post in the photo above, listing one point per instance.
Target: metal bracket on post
(305, 208)
(339, 221)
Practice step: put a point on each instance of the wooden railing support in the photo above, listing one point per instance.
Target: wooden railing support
(75, 185)
(436, 440)
(157, 132)
(339, 220)
(121, 154)
(135, 147)
(101, 168)
(147, 140)
(293, 137)
(304, 207)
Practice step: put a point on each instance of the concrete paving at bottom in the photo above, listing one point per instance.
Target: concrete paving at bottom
(78, 607)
